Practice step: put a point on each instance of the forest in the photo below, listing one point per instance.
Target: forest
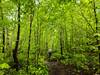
(49, 37)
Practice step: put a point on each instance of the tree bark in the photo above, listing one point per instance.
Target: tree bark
(3, 51)
(3, 30)
(97, 28)
(15, 54)
(61, 41)
(31, 19)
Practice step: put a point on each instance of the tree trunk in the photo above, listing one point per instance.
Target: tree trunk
(3, 51)
(3, 30)
(31, 19)
(16, 62)
(97, 27)
(61, 41)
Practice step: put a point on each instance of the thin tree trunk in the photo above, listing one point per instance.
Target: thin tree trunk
(61, 41)
(97, 28)
(3, 30)
(3, 51)
(7, 39)
(17, 42)
(38, 36)
(31, 19)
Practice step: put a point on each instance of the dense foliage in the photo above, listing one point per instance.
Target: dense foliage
(30, 28)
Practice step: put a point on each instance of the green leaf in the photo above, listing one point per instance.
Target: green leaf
(4, 66)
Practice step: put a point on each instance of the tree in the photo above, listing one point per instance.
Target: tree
(15, 51)
(97, 27)
(29, 42)
(3, 29)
